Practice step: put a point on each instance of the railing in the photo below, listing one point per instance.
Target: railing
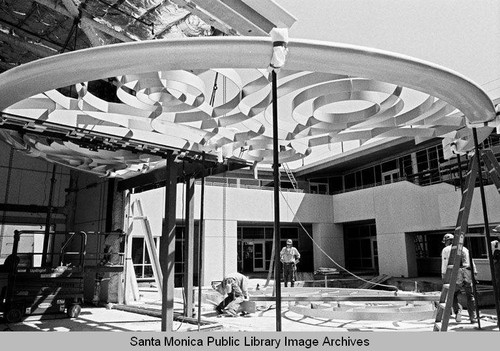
(445, 173)
(249, 186)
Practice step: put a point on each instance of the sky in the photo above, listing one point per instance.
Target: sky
(462, 35)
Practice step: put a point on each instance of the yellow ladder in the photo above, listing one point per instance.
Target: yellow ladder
(450, 278)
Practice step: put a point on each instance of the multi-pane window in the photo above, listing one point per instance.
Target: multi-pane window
(429, 245)
(141, 259)
(423, 167)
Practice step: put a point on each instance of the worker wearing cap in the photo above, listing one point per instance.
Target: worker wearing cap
(495, 251)
(464, 279)
(289, 257)
(235, 285)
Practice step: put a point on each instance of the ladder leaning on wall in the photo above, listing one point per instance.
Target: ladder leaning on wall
(137, 216)
(290, 175)
(450, 278)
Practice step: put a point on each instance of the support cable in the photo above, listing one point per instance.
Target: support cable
(328, 256)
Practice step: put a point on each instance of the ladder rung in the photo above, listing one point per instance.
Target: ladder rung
(442, 305)
(450, 266)
(446, 286)
(139, 217)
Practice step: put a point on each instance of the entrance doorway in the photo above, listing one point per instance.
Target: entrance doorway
(361, 246)
(254, 256)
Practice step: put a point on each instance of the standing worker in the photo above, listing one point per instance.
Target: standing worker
(495, 251)
(289, 256)
(464, 279)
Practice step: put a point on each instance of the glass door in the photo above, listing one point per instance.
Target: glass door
(259, 256)
(374, 253)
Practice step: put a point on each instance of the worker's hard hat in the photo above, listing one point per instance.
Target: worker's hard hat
(447, 236)
(289, 241)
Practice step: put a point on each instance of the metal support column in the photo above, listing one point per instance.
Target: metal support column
(276, 177)
(486, 226)
(189, 248)
(167, 246)
(46, 237)
(200, 238)
(110, 198)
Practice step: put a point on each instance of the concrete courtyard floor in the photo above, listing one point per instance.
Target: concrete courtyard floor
(145, 316)
(94, 319)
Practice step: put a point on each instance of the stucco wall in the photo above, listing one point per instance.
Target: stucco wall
(244, 205)
(397, 209)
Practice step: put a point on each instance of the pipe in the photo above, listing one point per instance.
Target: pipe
(276, 177)
(46, 237)
(200, 237)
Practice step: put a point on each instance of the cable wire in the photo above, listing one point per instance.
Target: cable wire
(328, 256)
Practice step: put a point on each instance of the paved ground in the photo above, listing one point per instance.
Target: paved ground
(114, 319)
(102, 319)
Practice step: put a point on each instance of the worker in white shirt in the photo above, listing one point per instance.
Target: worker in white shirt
(289, 257)
(464, 279)
(495, 251)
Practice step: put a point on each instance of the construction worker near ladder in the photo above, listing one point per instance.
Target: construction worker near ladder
(495, 251)
(289, 257)
(464, 279)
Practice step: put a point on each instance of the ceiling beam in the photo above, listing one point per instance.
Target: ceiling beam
(38, 50)
(73, 12)
(4, 66)
(190, 168)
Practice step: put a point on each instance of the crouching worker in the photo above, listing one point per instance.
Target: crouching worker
(235, 285)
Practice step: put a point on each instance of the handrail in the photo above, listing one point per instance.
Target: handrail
(62, 253)
(81, 252)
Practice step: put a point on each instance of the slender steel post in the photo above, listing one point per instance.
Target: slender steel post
(167, 245)
(200, 238)
(48, 218)
(189, 247)
(276, 176)
(486, 226)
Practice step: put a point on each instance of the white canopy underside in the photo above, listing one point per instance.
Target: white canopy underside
(328, 93)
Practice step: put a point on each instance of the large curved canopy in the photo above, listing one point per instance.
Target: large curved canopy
(327, 93)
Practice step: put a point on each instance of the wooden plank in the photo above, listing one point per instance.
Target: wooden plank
(362, 315)
(367, 298)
